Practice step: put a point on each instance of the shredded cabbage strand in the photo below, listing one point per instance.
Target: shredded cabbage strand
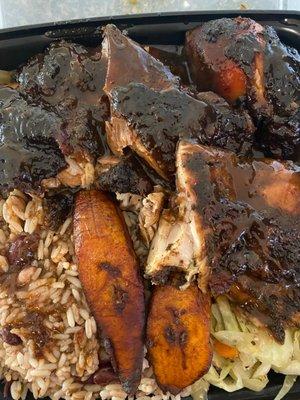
(258, 353)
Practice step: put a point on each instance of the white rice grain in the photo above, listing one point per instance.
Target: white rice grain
(74, 281)
(76, 295)
(65, 226)
(70, 317)
(66, 296)
(2, 237)
(16, 390)
(88, 328)
(3, 264)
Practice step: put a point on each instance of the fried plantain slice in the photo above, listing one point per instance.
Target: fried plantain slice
(109, 274)
(178, 331)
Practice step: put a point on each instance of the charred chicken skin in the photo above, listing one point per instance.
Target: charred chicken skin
(68, 79)
(150, 112)
(53, 118)
(248, 214)
(136, 110)
(29, 152)
(241, 60)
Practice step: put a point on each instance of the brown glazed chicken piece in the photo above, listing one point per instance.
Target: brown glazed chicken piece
(248, 224)
(68, 79)
(123, 175)
(151, 122)
(54, 119)
(29, 152)
(128, 62)
(149, 110)
(241, 60)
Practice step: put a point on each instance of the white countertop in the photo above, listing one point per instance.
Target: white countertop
(28, 12)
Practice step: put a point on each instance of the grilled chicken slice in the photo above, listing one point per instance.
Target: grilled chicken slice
(209, 52)
(123, 175)
(248, 214)
(109, 274)
(151, 122)
(54, 119)
(241, 60)
(178, 334)
(29, 152)
(68, 79)
(173, 249)
(149, 110)
(128, 62)
(178, 248)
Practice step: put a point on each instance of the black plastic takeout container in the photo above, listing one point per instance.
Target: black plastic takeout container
(18, 44)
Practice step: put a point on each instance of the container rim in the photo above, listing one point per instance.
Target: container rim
(172, 16)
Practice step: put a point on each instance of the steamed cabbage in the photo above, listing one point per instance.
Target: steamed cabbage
(258, 353)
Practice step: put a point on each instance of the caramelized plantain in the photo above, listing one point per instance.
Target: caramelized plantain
(178, 336)
(110, 278)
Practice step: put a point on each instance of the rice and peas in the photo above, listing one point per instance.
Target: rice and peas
(49, 291)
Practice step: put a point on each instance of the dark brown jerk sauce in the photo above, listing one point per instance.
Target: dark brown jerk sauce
(253, 244)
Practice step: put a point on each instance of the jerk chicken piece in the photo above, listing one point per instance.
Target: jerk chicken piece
(123, 175)
(128, 62)
(54, 119)
(178, 336)
(29, 152)
(69, 78)
(173, 248)
(248, 227)
(177, 247)
(151, 122)
(108, 271)
(59, 205)
(241, 60)
(149, 110)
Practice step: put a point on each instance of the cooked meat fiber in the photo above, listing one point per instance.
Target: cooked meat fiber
(241, 60)
(151, 122)
(68, 79)
(123, 175)
(149, 111)
(29, 152)
(248, 227)
(177, 249)
(173, 253)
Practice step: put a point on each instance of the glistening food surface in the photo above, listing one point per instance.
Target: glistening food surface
(149, 232)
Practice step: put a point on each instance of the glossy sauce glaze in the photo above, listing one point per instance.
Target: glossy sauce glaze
(249, 66)
(160, 118)
(252, 234)
(28, 150)
(69, 78)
